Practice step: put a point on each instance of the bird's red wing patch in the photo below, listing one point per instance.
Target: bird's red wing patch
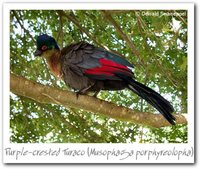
(109, 68)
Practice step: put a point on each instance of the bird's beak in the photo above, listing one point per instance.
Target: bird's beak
(38, 53)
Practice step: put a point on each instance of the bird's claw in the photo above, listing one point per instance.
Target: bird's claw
(77, 94)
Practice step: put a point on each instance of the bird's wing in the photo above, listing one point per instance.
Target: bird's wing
(96, 63)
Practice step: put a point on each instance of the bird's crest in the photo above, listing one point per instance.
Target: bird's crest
(47, 40)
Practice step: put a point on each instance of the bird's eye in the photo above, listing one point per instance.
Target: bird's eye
(44, 47)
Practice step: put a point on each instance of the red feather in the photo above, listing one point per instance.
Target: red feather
(109, 68)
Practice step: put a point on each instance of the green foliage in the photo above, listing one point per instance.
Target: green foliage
(160, 40)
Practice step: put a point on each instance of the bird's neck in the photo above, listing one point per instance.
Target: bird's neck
(53, 58)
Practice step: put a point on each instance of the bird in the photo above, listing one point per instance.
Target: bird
(87, 68)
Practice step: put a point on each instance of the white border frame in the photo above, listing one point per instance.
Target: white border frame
(30, 158)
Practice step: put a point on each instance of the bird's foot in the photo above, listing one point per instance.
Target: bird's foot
(78, 93)
(96, 93)
(83, 91)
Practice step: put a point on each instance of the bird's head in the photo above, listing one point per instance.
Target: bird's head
(45, 45)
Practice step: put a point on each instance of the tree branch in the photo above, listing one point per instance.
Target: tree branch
(60, 33)
(76, 22)
(50, 95)
(128, 40)
(22, 26)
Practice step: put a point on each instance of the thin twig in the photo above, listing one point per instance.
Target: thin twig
(180, 17)
(109, 17)
(22, 26)
(73, 18)
(60, 33)
(167, 74)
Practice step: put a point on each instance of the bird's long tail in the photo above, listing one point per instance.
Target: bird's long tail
(152, 97)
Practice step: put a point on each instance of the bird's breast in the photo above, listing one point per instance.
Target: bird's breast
(54, 64)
